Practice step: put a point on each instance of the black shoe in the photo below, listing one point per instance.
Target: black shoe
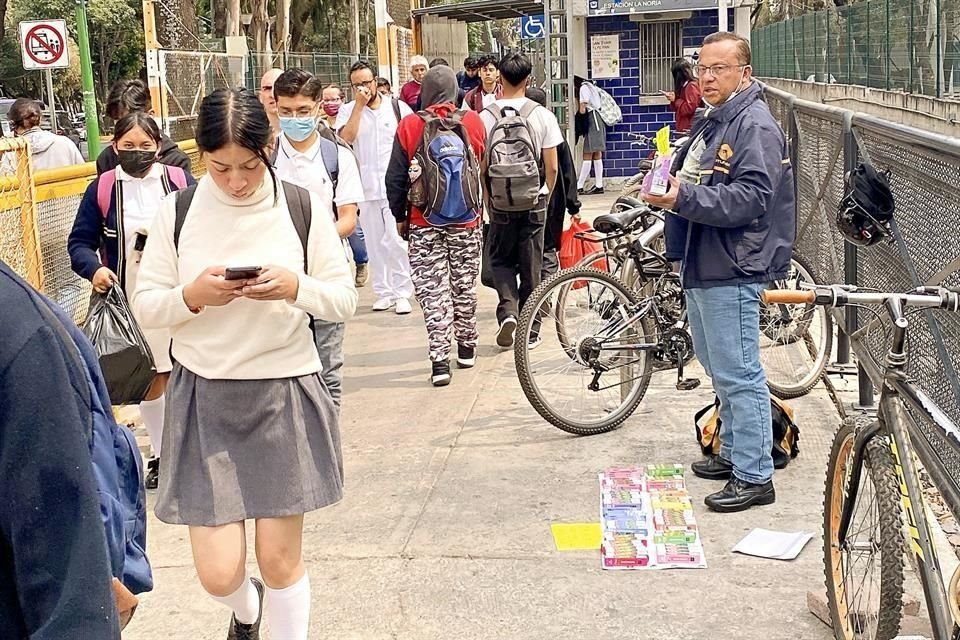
(507, 330)
(441, 374)
(594, 191)
(712, 468)
(738, 495)
(240, 631)
(466, 356)
(152, 478)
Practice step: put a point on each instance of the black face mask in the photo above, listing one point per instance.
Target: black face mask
(135, 162)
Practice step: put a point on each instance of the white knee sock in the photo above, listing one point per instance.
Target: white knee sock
(244, 602)
(289, 610)
(598, 173)
(584, 173)
(152, 413)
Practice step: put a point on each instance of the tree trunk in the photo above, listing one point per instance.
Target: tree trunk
(177, 30)
(281, 29)
(218, 15)
(3, 18)
(232, 18)
(259, 23)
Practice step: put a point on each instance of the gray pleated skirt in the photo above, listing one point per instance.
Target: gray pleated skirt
(240, 449)
(596, 138)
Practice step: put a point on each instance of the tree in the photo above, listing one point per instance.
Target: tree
(177, 24)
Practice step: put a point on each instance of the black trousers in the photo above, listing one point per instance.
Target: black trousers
(516, 249)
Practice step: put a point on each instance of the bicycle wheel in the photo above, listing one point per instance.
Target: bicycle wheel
(592, 378)
(864, 577)
(602, 260)
(795, 340)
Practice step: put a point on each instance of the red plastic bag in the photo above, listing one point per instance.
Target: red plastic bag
(574, 249)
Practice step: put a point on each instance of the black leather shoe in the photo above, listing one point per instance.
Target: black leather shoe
(738, 495)
(152, 480)
(712, 468)
(240, 631)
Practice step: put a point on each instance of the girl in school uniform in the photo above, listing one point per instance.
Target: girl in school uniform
(251, 431)
(109, 234)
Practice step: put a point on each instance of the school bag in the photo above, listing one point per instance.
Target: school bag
(514, 176)
(449, 190)
(786, 434)
(117, 469)
(329, 153)
(609, 110)
(172, 177)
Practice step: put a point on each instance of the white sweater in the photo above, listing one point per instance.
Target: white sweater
(245, 339)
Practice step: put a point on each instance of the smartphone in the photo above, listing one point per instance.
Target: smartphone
(241, 273)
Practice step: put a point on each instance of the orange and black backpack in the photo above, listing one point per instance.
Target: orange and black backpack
(786, 434)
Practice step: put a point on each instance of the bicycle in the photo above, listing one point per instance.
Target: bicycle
(872, 469)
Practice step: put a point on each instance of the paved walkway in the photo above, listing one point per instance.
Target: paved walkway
(444, 531)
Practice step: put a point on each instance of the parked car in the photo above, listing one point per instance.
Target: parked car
(5, 104)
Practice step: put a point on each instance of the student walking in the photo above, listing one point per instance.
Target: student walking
(321, 166)
(595, 140)
(110, 234)
(444, 239)
(488, 89)
(517, 205)
(369, 123)
(251, 431)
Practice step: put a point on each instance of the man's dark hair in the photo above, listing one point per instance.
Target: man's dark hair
(127, 96)
(515, 68)
(488, 59)
(743, 45)
(471, 63)
(536, 94)
(360, 65)
(437, 62)
(24, 113)
(297, 82)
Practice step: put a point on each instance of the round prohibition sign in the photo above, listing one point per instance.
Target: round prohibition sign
(43, 44)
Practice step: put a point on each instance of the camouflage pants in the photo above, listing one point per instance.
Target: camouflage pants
(444, 265)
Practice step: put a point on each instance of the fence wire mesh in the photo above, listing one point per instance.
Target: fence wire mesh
(19, 238)
(925, 249)
(908, 45)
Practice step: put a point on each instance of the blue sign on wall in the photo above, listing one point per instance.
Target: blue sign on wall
(531, 27)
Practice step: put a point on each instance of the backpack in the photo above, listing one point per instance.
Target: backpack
(329, 153)
(609, 110)
(172, 177)
(450, 174)
(786, 434)
(117, 469)
(514, 177)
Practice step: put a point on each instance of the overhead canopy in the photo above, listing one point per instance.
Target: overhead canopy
(481, 10)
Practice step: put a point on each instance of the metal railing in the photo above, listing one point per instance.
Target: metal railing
(825, 143)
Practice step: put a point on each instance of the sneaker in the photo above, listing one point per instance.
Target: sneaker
(382, 304)
(466, 356)
(152, 479)
(440, 377)
(505, 335)
(594, 191)
(363, 274)
(240, 631)
(403, 307)
(535, 341)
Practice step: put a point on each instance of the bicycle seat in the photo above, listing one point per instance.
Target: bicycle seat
(615, 222)
(645, 165)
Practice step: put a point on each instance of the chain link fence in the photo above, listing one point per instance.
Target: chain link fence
(826, 142)
(905, 45)
(19, 240)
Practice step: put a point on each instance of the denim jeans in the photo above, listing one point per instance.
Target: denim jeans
(725, 323)
(357, 245)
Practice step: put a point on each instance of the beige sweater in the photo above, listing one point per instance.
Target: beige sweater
(245, 339)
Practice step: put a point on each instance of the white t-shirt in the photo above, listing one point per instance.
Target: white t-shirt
(306, 169)
(374, 143)
(487, 100)
(590, 96)
(543, 124)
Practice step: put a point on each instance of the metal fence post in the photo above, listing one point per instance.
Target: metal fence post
(867, 83)
(910, 49)
(887, 47)
(939, 69)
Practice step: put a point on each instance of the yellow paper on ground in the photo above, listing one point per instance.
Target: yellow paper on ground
(577, 536)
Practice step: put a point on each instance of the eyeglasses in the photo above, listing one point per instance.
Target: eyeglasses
(716, 70)
(365, 83)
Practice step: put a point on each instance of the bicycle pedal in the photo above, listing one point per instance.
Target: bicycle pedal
(688, 384)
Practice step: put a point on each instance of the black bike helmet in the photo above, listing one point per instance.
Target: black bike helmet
(866, 210)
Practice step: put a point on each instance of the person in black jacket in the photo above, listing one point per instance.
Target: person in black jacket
(563, 200)
(127, 96)
(55, 575)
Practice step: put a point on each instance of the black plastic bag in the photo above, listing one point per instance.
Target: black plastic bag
(125, 358)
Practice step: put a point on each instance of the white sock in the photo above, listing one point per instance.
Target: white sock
(289, 610)
(245, 602)
(152, 413)
(598, 173)
(584, 173)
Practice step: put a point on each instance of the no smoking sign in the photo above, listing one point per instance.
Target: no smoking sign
(43, 44)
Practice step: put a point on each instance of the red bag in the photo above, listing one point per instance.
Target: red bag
(574, 249)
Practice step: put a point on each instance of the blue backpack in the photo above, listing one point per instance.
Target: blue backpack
(117, 467)
(450, 174)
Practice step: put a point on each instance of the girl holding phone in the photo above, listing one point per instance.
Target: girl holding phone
(251, 431)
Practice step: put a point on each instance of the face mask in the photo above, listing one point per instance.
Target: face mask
(331, 108)
(135, 162)
(298, 129)
(733, 95)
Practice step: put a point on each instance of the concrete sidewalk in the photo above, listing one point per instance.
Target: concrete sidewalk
(444, 531)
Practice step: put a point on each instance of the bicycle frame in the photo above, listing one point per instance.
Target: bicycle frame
(904, 440)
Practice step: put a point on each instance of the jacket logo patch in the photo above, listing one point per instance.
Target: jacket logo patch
(725, 152)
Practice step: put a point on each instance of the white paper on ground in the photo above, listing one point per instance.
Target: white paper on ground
(778, 545)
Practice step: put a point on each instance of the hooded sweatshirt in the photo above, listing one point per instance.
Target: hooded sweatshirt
(170, 154)
(438, 94)
(50, 151)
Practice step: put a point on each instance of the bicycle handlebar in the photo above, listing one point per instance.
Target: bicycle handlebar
(843, 295)
(788, 296)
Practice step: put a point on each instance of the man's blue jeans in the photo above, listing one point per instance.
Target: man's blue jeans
(725, 323)
(357, 245)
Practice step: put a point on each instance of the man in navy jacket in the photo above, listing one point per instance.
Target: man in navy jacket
(734, 229)
(54, 570)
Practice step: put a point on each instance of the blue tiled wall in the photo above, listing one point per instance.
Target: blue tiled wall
(621, 159)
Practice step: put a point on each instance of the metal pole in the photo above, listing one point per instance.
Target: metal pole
(51, 100)
(910, 49)
(939, 53)
(867, 83)
(887, 47)
(86, 72)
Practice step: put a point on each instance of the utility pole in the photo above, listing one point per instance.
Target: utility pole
(86, 71)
